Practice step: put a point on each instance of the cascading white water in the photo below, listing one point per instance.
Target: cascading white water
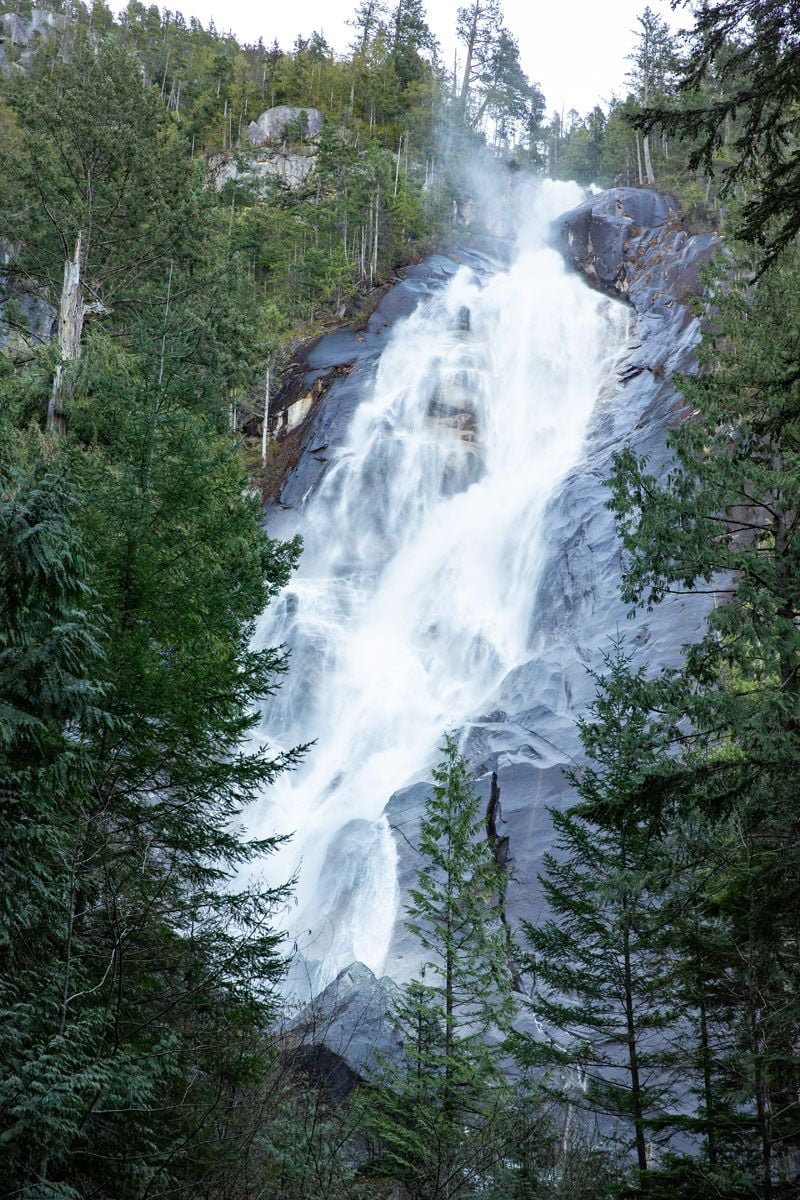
(422, 547)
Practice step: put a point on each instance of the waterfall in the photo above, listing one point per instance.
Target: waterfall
(423, 544)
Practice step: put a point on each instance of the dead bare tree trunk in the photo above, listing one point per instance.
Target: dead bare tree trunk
(463, 100)
(72, 312)
(649, 173)
(374, 265)
(265, 426)
(70, 328)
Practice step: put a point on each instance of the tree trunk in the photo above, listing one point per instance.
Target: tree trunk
(648, 162)
(265, 427)
(633, 1055)
(72, 312)
(708, 1091)
(465, 82)
(70, 330)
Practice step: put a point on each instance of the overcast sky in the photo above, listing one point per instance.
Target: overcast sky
(575, 49)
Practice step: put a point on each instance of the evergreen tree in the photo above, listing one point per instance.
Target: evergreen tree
(725, 520)
(365, 20)
(507, 96)
(132, 975)
(437, 1116)
(601, 974)
(652, 65)
(51, 707)
(99, 198)
(748, 48)
(477, 26)
(411, 39)
(142, 978)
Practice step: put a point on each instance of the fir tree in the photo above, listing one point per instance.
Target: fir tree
(437, 1115)
(726, 520)
(601, 975)
(748, 50)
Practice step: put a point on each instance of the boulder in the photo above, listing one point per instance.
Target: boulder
(274, 124)
(349, 1023)
(629, 243)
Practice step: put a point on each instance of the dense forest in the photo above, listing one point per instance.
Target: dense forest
(155, 282)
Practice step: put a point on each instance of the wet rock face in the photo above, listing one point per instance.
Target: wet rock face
(629, 243)
(340, 365)
(347, 1026)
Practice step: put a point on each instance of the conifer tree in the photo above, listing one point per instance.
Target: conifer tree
(437, 1115)
(145, 970)
(746, 126)
(600, 974)
(726, 520)
(411, 38)
(652, 66)
(477, 26)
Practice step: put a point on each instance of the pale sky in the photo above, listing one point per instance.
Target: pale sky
(575, 49)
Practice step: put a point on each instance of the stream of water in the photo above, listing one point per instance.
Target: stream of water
(423, 545)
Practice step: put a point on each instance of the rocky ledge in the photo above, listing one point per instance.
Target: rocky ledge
(631, 243)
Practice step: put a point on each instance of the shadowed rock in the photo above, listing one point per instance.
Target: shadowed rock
(628, 243)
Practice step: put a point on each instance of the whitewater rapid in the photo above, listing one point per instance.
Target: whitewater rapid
(423, 547)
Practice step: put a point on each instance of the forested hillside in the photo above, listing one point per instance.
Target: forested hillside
(161, 262)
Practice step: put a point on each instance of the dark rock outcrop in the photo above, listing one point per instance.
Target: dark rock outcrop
(338, 367)
(630, 243)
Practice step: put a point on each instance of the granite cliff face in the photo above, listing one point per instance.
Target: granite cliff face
(629, 244)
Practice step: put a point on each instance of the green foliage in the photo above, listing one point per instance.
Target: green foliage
(493, 83)
(134, 975)
(138, 971)
(451, 909)
(93, 154)
(438, 1115)
(601, 973)
(738, 107)
(622, 146)
(50, 665)
(726, 519)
